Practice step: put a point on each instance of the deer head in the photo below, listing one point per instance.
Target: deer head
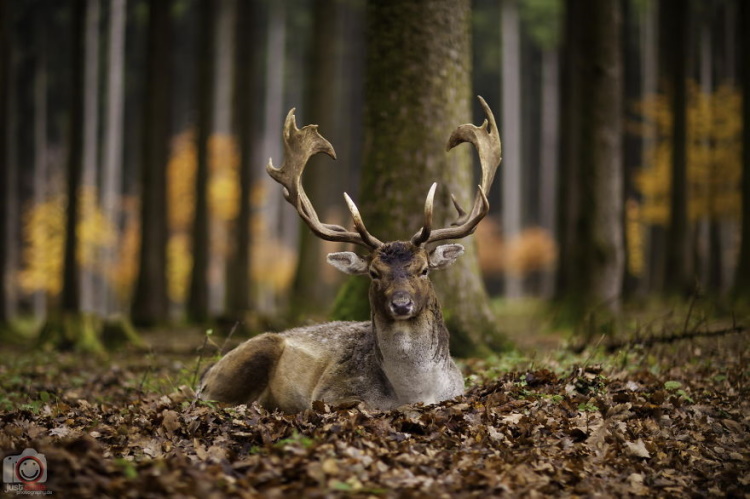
(400, 288)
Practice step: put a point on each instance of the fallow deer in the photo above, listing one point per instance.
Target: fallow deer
(401, 356)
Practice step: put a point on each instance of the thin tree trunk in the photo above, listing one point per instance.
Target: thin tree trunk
(198, 299)
(5, 51)
(512, 182)
(150, 305)
(111, 181)
(607, 243)
(273, 120)
(41, 158)
(591, 195)
(568, 187)
(225, 33)
(649, 61)
(238, 280)
(550, 136)
(70, 299)
(309, 292)
(742, 273)
(89, 294)
(676, 278)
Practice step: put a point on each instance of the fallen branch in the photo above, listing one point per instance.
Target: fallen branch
(614, 346)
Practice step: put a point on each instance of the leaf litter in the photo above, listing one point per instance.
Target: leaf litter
(666, 428)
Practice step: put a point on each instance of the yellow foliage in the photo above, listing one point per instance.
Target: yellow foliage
(44, 238)
(714, 126)
(223, 201)
(634, 238)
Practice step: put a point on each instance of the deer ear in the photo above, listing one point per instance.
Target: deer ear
(444, 255)
(348, 262)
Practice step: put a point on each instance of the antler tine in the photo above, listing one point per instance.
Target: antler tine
(368, 238)
(299, 147)
(424, 234)
(486, 140)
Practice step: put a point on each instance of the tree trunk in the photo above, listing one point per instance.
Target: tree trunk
(90, 296)
(111, 190)
(310, 294)
(594, 253)
(5, 51)
(742, 273)
(650, 281)
(550, 144)
(197, 309)
(273, 120)
(676, 278)
(71, 287)
(150, 305)
(568, 186)
(607, 244)
(512, 182)
(41, 157)
(417, 91)
(225, 33)
(238, 280)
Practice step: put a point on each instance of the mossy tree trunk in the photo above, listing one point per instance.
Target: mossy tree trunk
(418, 89)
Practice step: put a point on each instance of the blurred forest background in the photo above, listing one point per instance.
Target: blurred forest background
(623, 176)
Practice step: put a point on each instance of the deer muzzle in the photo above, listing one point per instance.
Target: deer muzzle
(401, 305)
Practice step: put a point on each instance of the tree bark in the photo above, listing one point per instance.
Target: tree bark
(742, 274)
(111, 190)
(90, 295)
(512, 182)
(5, 51)
(150, 305)
(676, 278)
(197, 309)
(309, 292)
(238, 280)
(70, 299)
(417, 90)
(593, 251)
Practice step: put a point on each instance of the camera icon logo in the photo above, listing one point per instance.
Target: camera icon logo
(28, 467)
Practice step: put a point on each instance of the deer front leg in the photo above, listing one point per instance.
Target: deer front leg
(243, 375)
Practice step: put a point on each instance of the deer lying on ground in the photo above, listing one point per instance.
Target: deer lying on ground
(401, 356)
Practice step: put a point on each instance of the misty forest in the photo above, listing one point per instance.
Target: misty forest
(598, 314)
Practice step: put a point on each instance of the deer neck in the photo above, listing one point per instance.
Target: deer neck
(414, 354)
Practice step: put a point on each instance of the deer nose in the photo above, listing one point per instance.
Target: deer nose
(401, 304)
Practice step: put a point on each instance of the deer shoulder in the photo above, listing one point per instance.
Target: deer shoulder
(401, 356)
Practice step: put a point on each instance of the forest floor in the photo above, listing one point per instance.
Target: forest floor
(649, 418)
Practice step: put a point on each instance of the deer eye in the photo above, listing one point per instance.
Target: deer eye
(374, 274)
(425, 271)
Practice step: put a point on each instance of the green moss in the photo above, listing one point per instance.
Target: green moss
(86, 333)
(352, 303)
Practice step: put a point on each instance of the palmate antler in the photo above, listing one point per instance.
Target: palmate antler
(486, 139)
(299, 147)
